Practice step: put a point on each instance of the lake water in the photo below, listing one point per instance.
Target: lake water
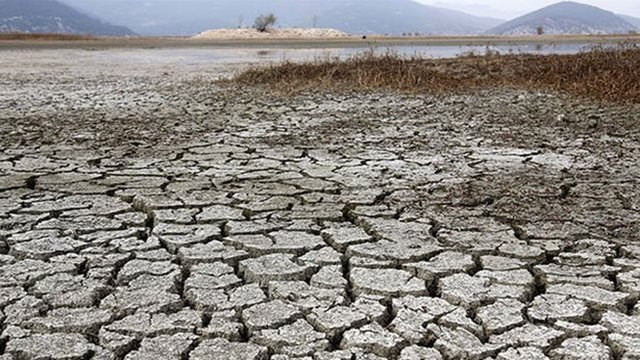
(203, 55)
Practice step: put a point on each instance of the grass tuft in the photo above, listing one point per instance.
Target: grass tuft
(606, 74)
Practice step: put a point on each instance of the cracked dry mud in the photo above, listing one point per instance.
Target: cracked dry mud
(148, 214)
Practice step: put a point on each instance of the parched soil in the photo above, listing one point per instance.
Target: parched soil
(146, 211)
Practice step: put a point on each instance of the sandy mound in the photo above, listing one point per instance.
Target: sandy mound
(271, 34)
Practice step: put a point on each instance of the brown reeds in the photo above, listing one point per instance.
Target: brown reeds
(19, 36)
(607, 74)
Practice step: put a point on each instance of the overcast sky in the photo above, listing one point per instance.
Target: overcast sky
(514, 8)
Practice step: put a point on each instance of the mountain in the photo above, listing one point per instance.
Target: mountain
(397, 16)
(187, 17)
(51, 16)
(566, 18)
(631, 20)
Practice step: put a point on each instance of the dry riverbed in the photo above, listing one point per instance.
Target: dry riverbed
(147, 212)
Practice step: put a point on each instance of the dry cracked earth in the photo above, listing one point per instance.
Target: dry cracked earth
(149, 213)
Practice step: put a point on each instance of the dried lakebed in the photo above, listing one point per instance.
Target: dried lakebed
(146, 213)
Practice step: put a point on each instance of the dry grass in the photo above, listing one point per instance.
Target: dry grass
(601, 73)
(17, 36)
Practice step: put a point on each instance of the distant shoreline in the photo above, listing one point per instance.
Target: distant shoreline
(348, 42)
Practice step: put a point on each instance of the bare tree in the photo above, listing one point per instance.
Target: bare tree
(264, 22)
(540, 30)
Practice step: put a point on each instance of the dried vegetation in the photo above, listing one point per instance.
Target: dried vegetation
(607, 74)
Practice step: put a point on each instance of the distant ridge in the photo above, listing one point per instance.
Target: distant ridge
(566, 18)
(631, 20)
(189, 17)
(51, 16)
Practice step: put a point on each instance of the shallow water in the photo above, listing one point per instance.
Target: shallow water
(193, 56)
(217, 62)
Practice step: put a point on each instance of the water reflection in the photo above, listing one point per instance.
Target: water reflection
(227, 56)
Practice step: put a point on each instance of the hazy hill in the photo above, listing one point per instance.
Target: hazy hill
(163, 17)
(398, 16)
(566, 18)
(51, 16)
(631, 20)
